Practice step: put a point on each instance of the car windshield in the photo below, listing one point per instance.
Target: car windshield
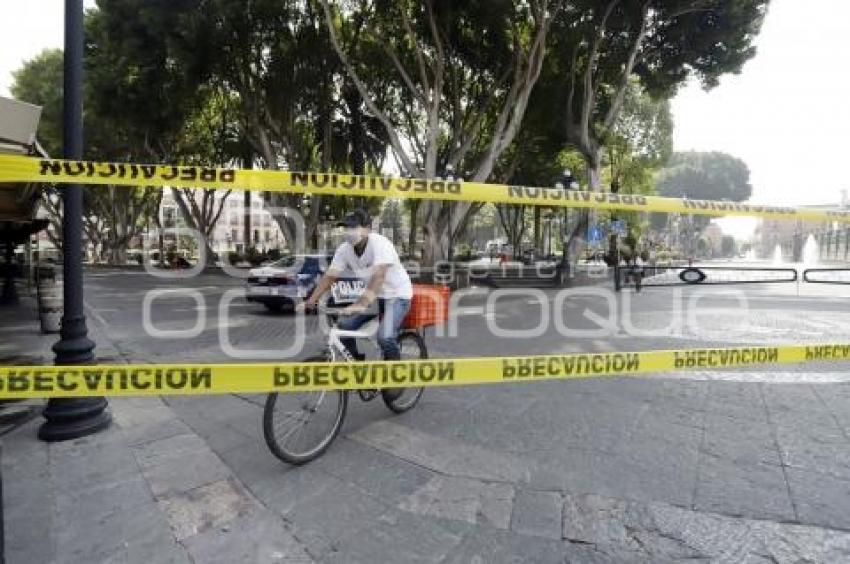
(284, 262)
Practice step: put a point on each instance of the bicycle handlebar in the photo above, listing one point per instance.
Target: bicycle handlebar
(337, 311)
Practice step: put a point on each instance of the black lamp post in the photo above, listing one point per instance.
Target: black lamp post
(69, 418)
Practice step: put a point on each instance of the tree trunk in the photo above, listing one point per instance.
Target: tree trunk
(584, 217)
(537, 245)
(414, 227)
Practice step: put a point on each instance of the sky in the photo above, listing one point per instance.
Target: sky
(787, 115)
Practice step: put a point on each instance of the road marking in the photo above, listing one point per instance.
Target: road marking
(762, 377)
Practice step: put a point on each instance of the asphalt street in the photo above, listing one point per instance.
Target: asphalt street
(745, 464)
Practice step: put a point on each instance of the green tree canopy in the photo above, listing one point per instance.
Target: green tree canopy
(705, 176)
(39, 82)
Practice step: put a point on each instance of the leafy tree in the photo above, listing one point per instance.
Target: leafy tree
(603, 44)
(705, 176)
(112, 215)
(600, 46)
(638, 143)
(461, 75)
(39, 82)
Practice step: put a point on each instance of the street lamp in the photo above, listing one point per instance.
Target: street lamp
(70, 418)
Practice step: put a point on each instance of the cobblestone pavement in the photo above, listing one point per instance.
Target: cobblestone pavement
(733, 466)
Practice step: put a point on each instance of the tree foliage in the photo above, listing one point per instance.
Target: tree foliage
(705, 176)
(499, 90)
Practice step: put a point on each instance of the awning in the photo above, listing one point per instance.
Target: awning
(19, 202)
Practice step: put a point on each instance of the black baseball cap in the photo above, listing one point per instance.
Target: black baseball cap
(356, 218)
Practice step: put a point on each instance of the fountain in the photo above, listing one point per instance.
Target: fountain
(811, 251)
(777, 255)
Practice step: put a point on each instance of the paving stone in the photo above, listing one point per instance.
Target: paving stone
(660, 414)
(253, 462)
(130, 412)
(836, 397)
(757, 491)
(198, 510)
(740, 441)
(139, 531)
(442, 455)
(258, 536)
(375, 471)
(221, 437)
(144, 433)
(291, 487)
(89, 504)
(329, 516)
(820, 499)
(792, 398)
(108, 464)
(641, 476)
(594, 519)
(220, 407)
(29, 528)
(503, 547)
(154, 453)
(398, 537)
(537, 514)
(590, 425)
(463, 499)
(177, 474)
(659, 440)
(569, 470)
(817, 449)
(736, 399)
(659, 532)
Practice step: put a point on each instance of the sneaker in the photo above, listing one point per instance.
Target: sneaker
(392, 394)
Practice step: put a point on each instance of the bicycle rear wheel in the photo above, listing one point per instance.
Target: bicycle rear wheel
(300, 426)
(412, 347)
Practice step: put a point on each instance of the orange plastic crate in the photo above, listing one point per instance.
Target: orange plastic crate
(429, 306)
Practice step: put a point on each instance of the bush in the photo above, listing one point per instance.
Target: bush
(463, 253)
(254, 256)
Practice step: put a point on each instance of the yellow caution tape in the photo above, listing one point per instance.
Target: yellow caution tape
(17, 382)
(29, 169)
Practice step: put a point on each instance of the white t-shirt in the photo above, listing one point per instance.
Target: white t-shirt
(379, 250)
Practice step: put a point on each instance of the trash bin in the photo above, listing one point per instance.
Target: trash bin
(50, 314)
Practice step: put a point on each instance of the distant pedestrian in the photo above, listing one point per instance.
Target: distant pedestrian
(637, 271)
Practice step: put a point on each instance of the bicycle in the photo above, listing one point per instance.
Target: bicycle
(301, 407)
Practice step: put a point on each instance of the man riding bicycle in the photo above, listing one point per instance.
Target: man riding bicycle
(371, 257)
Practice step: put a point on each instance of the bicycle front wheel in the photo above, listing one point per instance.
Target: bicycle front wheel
(412, 347)
(300, 426)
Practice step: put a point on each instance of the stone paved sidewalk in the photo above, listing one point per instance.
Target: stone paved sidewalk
(148, 489)
(613, 470)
